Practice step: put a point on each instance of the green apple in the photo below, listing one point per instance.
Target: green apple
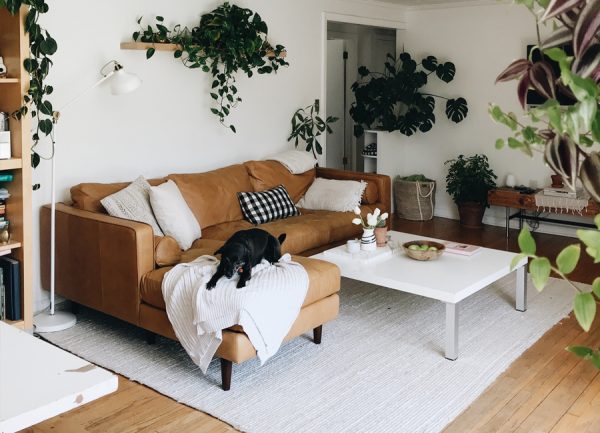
(424, 247)
(414, 247)
(433, 249)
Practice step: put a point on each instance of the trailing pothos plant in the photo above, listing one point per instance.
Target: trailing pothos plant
(565, 134)
(394, 100)
(41, 47)
(226, 40)
(308, 127)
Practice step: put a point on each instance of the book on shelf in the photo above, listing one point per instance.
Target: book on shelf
(6, 177)
(2, 297)
(462, 249)
(11, 278)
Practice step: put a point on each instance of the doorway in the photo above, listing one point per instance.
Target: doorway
(348, 46)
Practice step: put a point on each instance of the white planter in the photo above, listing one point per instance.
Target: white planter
(367, 242)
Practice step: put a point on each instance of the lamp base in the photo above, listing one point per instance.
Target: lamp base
(59, 321)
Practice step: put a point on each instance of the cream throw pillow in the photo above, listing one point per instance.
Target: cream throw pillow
(335, 195)
(174, 215)
(133, 203)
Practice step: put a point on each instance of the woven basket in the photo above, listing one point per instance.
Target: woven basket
(414, 200)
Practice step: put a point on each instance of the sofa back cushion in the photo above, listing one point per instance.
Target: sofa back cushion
(212, 196)
(270, 174)
(87, 196)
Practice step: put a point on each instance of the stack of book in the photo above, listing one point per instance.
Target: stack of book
(10, 289)
(562, 192)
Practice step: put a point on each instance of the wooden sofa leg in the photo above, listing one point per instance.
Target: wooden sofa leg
(317, 334)
(226, 370)
(150, 337)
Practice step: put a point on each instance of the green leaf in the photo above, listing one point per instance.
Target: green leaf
(515, 261)
(540, 269)
(526, 242)
(567, 259)
(456, 109)
(150, 52)
(584, 306)
(596, 287)
(232, 128)
(159, 18)
(591, 238)
(581, 351)
(597, 221)
(446, 71)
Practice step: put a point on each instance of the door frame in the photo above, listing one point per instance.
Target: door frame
(350, 19)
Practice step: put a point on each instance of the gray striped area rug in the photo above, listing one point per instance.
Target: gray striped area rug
(380, 367)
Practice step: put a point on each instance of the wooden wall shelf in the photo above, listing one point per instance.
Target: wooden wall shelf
(14, 46)
(10, 164)
(168, 47)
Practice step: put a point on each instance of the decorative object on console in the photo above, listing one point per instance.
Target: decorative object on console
(174, 215)
(382, 104)
(308, 126)
(333, 195)
(269, 205)
(3, 70)
(510, 182)
(414, 197)
(557, 181)
(133, 203)
(468, 182)
(296, 161)
(423, 250)
(121, 82)
(226, 40)
(373, 221)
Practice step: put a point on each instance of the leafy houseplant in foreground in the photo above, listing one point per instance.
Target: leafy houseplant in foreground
(42, 46)
(227, 40)
(393, 100)
(308, 126)
(468, 181)
(566, 135)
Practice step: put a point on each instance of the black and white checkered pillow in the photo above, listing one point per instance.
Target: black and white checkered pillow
(264, 206)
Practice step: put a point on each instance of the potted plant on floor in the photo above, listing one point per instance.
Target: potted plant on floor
(468, 181)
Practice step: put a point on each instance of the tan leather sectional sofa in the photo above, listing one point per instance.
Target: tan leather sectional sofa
(116, 266)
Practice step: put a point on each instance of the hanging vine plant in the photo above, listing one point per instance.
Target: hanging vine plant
(393, 100)
(41, 47)
(226, 40)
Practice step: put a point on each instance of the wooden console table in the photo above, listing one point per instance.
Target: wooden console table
(513, 199)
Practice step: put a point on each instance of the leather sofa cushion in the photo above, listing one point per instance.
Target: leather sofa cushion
(324, 280)
(87, 196)
(212, 196)
(166, 251)
(269, 174)
(370, 195)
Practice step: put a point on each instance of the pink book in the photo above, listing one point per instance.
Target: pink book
(462, 249)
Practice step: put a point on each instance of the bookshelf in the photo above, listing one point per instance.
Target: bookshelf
(14, 48)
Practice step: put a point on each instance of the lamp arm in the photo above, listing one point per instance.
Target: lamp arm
(76, 98)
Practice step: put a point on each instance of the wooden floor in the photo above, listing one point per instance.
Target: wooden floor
(545, 390)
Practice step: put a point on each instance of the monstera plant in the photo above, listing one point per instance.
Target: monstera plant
(567, 135)
(394, 100)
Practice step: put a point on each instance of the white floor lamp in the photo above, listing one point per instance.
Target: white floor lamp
(121, 82)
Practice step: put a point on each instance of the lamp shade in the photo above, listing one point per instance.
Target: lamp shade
(122, 82)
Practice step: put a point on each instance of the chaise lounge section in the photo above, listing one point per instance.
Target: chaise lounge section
(116, 266)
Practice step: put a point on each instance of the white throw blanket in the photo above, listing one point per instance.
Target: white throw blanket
(266, 308)
(296, 161)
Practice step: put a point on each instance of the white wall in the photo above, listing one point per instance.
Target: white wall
(481, 41)
(166, 126)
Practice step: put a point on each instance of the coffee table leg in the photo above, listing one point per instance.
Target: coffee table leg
(521, 304)
(451, 331)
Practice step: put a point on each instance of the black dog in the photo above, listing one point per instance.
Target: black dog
(244, 250)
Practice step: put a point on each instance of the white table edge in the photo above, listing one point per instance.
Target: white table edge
(67, 403)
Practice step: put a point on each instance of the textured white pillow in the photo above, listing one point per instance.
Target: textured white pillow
(296, 161)
(133, 203)
(330, 194)
(174, 215)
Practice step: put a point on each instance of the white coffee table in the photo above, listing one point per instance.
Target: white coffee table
(39, 381)
(449, 279)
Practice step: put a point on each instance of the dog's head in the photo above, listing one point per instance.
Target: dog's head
(233, 258)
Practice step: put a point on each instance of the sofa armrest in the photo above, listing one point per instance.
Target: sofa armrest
(383, 182)
(100, 259)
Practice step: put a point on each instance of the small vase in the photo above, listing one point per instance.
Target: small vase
(367, 242)
(381, 236)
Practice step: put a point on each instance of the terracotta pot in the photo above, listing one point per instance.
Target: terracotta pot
(471, 214)
(381, 236)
